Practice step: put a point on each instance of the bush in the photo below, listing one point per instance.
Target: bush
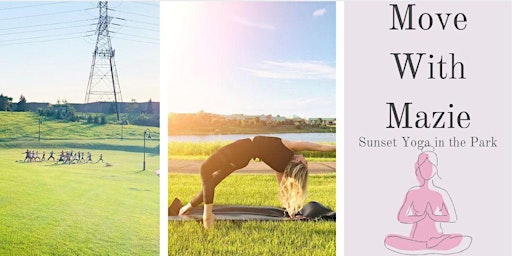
(74, 118)
(147, 120)
(58, 115)
(141, 120)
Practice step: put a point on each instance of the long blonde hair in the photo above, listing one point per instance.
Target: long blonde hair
(294, 186)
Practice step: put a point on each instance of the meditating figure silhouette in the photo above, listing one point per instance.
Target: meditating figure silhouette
(425, 207)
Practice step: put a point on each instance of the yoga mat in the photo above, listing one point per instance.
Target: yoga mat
(310, 211)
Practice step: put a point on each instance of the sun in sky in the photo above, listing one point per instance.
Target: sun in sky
(249, 57)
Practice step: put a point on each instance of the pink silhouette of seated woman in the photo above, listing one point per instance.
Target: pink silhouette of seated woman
(426, 207)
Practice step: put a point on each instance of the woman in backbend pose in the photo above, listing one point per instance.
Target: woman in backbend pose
(291, 170)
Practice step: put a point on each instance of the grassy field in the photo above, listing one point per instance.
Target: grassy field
(77, 209)
(252, 238)
(201, 150)
(25, 126)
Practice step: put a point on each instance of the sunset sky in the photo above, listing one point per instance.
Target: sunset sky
(249, 57)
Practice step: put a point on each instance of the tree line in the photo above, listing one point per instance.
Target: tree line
(202, 122)
(6, 103)
(63, 111)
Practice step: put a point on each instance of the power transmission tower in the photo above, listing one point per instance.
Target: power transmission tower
(103, 82)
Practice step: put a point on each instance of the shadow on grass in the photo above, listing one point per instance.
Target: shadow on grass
(66, 164)
(86, 144)
(138, 189)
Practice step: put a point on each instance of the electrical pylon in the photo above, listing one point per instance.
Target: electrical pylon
(103, 82)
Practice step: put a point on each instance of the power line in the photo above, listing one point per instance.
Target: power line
(37, 37)
(141, 28)
(137, 21)
(133, 40)
(49, 40)
(133, 13)
(41, 30)
(146, 3)
(47, 24)
(46, 14)
(125, 34)
(15, 31)
(28, 6)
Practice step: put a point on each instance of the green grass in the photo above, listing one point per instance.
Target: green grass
(202, 150)
(79, 209)
(252, 238)
(152, 146)
(25, 126)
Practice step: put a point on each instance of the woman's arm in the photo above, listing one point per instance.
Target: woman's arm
(279, 176)
(442, 215)
(305, 145)
(403, 215)
(185, 209)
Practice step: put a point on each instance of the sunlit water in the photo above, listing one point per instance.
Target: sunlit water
(312, 137)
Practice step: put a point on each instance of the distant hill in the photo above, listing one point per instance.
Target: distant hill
(25, 126)
(98, 107)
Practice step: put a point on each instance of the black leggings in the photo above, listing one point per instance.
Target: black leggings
(215, 169)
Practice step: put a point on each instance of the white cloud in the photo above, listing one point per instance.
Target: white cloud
(249, 23)
(320, 101)
(311, 70)
(319, 12)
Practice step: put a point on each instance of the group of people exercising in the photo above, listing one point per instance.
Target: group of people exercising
(66, 157)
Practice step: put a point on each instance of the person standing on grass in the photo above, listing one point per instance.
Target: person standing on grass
(101, 158)
(27, 155)
(43, 157)
(61, 157)
(51, 156)
(75, 158)
(291, 170)
(68, 158)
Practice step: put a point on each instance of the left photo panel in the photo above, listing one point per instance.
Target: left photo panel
(79, 128)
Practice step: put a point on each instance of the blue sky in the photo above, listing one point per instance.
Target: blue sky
(46, 49)
(250, 57)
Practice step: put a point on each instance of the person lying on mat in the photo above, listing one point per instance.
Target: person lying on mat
(278, 154)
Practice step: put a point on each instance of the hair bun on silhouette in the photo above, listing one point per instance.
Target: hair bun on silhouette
(430, 154)
(426, 149)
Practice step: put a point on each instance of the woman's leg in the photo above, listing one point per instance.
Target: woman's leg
(401, 243)
(449, 242)
(210, 181)
(213, 171)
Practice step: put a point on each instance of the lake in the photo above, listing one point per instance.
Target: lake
(313, 137)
